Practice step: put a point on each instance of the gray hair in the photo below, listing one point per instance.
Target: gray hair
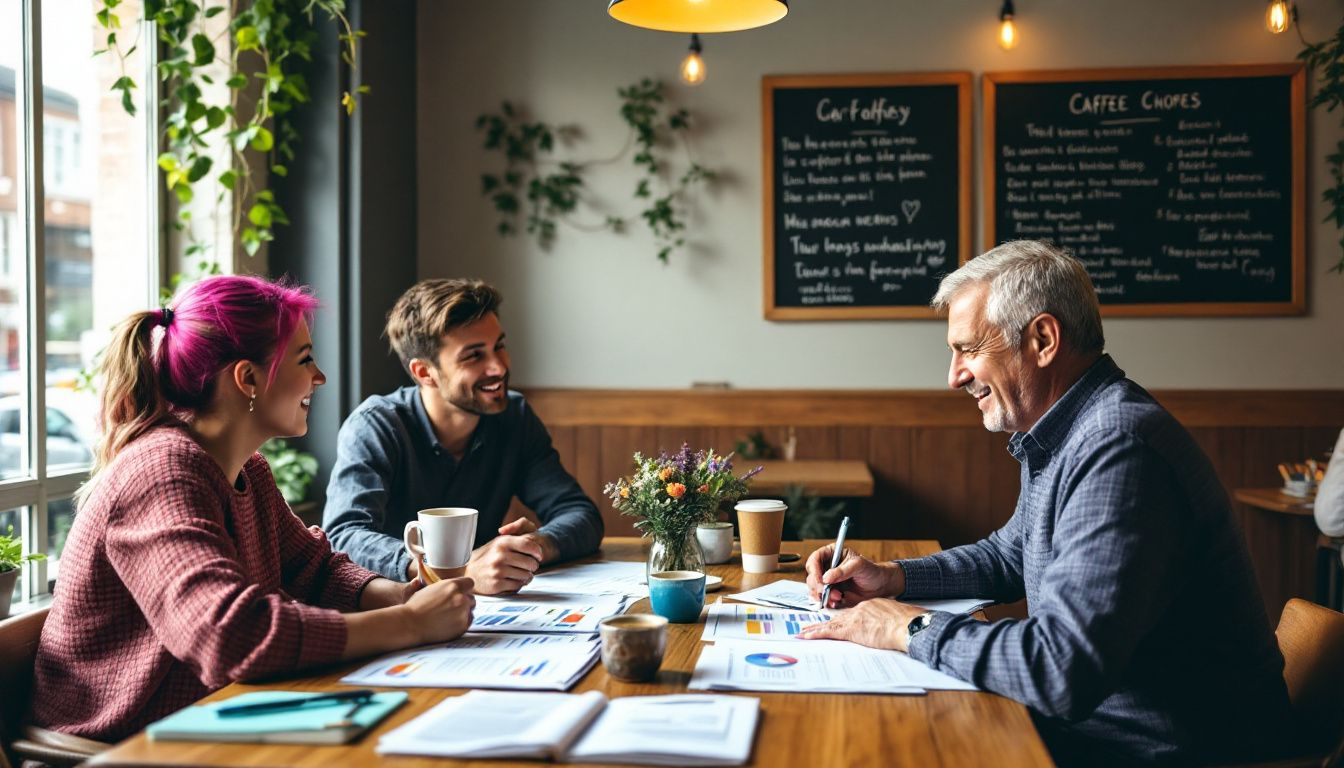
(1026, 278)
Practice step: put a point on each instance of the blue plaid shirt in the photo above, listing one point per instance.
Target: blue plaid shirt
(390, 465)
(1147, 638)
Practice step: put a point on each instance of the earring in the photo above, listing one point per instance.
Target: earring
(252, 402)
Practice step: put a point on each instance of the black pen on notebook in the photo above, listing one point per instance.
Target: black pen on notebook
(280, 705)
(835, 558)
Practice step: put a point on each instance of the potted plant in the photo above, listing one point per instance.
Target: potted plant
(670, 495)
(293, 470)
(11, 557)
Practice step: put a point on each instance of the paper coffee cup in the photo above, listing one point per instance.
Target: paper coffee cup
(441, 538)
(761, 524)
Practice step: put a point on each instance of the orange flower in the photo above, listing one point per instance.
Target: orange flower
(625, 492)
(704, 488)
(676, 490)
(665, 474)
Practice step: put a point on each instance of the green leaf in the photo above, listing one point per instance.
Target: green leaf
(210, 13)
(247, 38)
(279, 170)
(262, 140)
(168, 161)
(260, 215)
(198, 169)
(228, 178)
(251, 241)
(214, 117)
(236, 82)
(183, 192)
(203, 48)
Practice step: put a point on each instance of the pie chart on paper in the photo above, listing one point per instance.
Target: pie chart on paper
(771, 660)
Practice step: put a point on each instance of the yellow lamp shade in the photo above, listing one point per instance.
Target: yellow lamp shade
(698, 15)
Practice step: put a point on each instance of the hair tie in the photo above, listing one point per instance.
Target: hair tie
(165, 317)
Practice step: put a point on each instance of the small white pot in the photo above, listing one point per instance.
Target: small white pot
(716, 541)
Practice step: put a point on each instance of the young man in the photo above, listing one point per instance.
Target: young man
(457, 437)
(1147, 639)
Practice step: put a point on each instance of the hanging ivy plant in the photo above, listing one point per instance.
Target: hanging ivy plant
(260, 51)
(544, 191)
(1327, 59)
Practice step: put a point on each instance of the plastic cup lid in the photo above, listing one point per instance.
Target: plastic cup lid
(761, 505)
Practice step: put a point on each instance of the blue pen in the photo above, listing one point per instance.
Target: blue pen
(835, 558)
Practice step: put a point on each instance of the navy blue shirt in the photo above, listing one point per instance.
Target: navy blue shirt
(390, 465)
(1147, 638)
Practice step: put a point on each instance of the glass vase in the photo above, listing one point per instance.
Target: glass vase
(678, 551)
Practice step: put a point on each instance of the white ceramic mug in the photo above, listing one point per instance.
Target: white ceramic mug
(444, 536)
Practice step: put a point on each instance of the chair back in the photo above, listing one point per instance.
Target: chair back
(1311, 638)
(18, 652)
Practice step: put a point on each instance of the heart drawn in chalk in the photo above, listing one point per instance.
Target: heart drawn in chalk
(910, 208)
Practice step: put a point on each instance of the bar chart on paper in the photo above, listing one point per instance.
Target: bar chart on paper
(543, 615)
(551, 662)
(749, 622)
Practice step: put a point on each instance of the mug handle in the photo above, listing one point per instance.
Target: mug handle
(417, 550)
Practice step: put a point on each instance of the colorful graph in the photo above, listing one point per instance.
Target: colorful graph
(405, 669)
(772, 660)
(770, 622)
(531, 670)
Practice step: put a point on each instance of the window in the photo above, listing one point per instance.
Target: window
(77, 252)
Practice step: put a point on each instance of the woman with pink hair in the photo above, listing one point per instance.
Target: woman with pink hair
(185, 570)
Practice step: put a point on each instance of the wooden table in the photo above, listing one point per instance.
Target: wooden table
(820, 477)
(942, 728)
(1275, 500)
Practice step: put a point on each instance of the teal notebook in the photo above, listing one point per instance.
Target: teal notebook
(333, 723)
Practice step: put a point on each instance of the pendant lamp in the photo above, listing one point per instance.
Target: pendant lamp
(698, 15)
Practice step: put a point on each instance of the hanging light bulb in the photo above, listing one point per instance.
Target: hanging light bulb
(698, 15)
(1007, 29)
(693, 67)
(1278, 16)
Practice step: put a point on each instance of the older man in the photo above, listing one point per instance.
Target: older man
(1147, 640)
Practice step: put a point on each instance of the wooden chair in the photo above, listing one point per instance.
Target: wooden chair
(19, 741)
(1312, 640)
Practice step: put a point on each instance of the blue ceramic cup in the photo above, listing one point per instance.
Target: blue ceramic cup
(677, 595)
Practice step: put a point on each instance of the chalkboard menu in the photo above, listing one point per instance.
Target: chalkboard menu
(867, 192)
(1180, 189)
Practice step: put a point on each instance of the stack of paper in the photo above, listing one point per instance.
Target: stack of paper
(528, 661)
(815, 666)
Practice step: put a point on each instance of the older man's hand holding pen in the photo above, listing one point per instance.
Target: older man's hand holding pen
(854, 580)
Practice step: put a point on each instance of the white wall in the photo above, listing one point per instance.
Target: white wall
(599, 311)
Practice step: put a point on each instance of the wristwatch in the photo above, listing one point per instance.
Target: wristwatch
(919, 622)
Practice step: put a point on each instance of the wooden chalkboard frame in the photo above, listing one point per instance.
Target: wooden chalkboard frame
(1298, 304)
(964, 83)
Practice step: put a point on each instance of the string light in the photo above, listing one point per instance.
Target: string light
(1279, 16)
(1007, 29)
(693, 67)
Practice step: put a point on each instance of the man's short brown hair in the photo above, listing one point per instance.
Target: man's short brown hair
(432, 308)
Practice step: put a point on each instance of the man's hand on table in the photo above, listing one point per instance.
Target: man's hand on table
(508, 562)
(877, 623)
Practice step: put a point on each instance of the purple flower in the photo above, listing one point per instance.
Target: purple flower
(685, 459)
(752, 473)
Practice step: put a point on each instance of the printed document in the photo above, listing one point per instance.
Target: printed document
(815, 666)
(605, 577)
(730, 621)
(550, 612)
(794, 594)
(684, 729)
(529, 661)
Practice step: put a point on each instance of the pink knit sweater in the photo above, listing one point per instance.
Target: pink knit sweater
(175, 583)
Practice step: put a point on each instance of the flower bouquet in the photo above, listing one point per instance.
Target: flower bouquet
(670, 495)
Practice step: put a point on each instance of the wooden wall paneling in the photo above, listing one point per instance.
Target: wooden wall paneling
(587, 466)
(892, 508)
(1225, 448)
(1263, 449)
(617, 446)
(1319, 442)
(817, 442)
(949, 483)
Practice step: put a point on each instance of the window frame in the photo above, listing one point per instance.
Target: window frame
(32, 492)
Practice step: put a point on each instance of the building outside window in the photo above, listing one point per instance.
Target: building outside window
(98, 255)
